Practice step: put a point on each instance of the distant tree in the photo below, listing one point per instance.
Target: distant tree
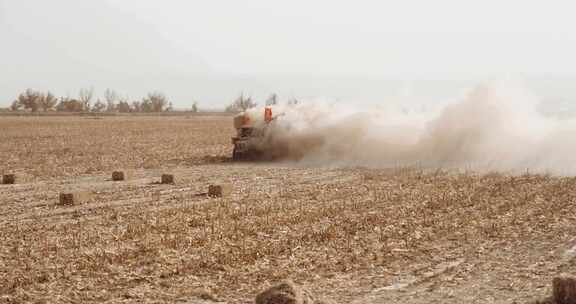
(85, 97)
(145, 106)
(99, 106)
(293, 101)
(124, 107)
(241, 103)
(71, 105)
(29, 100)
(47, 101)
(110, 96)
(110, 107)
(34, 100)
(195, 107)
(155, 102)
(170, 107)
(136, 106)
(15, 106)
(61, 106)
(272, 100)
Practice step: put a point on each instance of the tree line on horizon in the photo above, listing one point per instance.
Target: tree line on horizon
(243, 103)
(35, 101)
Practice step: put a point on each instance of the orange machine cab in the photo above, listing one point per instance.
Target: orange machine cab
(268, 114)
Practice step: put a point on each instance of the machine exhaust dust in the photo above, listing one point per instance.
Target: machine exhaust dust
(492, 128)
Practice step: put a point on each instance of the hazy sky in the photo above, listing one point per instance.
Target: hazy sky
(351, 50)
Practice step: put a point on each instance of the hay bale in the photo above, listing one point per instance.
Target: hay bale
(120, 176)
(9, 179)
(564, 290)
(287, 293)
(75, 198)
(222, 190)
(167, 179)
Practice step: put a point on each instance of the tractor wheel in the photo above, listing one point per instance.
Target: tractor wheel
(238, 156)
(235, 154)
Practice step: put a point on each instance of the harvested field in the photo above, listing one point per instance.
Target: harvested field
(350, 235)
(74, 146)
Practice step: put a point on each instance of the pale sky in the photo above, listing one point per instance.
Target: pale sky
(211, 51)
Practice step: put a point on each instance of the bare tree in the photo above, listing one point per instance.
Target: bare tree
(34, 100)
(29, 100)
(70, 105)
(47, 101)
(136, 106)
(272, 100)
(240, 104)
(110, 96)
(195, 107)
(110, 107)
(293, 102)
(85, 97)
(15, 106)
(123, 99)
(124, 107)
(155, 102)
(99, 106)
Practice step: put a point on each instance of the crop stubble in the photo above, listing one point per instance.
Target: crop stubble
(346, 232)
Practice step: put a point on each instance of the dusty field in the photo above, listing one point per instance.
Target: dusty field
(353, 235)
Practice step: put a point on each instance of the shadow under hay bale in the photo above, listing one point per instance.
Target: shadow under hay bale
(12, 179)
(287, 293)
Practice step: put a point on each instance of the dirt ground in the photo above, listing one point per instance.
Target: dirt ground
(351, 235)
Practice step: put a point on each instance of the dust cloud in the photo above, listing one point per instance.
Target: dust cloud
(492, 128)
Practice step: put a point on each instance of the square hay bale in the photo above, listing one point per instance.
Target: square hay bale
(120, 176)
(222, 190)
(167, 179)
(75, 198)
(564, 290)
(9, 179)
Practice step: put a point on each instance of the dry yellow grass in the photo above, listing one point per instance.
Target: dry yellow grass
(345, 233)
